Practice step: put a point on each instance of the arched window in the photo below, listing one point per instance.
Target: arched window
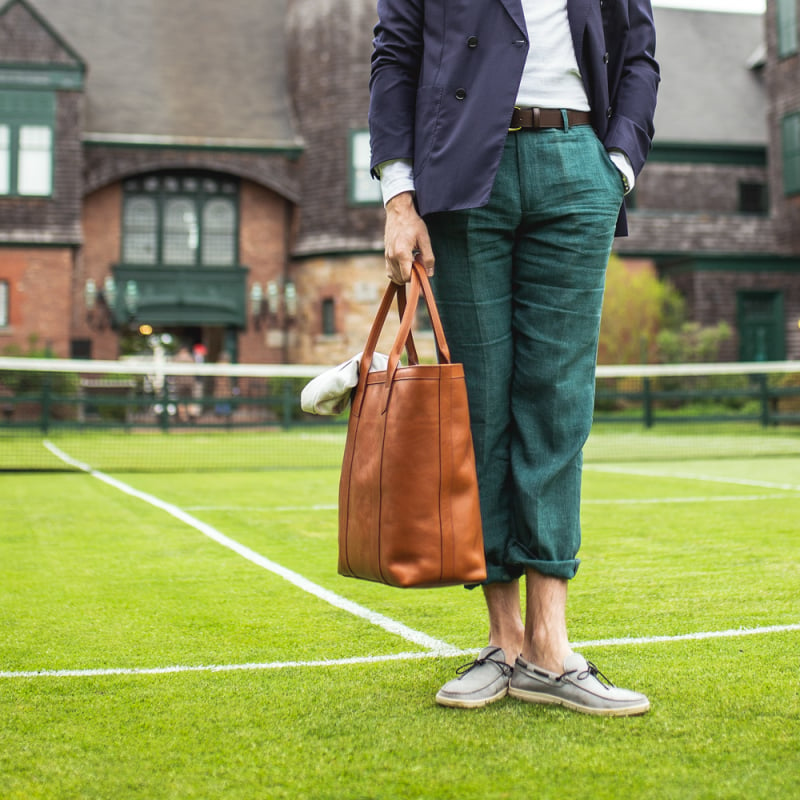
(180, 231)
(219, 228)
(181, 219)
(140, 223)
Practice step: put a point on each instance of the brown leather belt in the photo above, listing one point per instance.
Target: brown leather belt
(535, 119)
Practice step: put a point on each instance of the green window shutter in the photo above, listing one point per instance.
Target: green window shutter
(787, 27)
(790, 131)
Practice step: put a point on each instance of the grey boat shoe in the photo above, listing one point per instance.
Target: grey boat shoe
(581, 687)
(479, 683)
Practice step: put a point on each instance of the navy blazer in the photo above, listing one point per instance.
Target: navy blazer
(445, 75)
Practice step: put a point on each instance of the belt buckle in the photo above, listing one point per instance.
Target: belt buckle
(514, 130)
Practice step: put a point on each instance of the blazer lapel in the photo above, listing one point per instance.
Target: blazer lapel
(514, 9)
(578, 13)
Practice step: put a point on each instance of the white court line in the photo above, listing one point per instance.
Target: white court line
(389, 625)
(719, 498)
(266, 509)
(654, 473)
(643, 640)
(633, 501)
(693, 637)
(91, 673)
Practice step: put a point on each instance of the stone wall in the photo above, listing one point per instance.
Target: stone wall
(356, 284)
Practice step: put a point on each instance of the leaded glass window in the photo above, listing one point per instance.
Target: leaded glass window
(181, 219)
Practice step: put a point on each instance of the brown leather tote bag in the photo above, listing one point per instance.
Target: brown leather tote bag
(409, 512)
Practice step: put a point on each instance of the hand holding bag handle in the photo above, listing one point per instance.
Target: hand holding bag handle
(404, 339)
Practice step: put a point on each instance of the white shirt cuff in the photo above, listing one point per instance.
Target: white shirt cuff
(396, 176)
(623, 164)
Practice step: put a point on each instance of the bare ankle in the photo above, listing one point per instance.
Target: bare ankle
(506, 629)
(550, 659)
(511, 648)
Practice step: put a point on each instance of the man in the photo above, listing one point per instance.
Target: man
(505, 134)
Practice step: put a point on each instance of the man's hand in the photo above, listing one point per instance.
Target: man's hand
(406, 236)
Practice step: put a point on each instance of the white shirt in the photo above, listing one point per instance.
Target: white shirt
(551, 78)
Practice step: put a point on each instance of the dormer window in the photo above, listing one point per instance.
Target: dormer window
(26, 143)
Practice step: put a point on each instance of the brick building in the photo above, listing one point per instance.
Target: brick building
(202, 169)
(150, 176)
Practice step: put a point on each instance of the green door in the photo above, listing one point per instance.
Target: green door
(761, 328)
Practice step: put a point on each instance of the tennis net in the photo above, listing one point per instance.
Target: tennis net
(161, 416)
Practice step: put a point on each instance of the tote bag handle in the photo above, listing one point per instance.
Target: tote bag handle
(419, 284)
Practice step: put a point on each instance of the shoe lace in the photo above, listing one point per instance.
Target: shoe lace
(478, 662)
(591, 669)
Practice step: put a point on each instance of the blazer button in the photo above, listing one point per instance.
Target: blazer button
(472, 42)
(609, 112)
(461, 94)
(605, 58)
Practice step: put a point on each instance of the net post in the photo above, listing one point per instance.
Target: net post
(45, 404)
(288, 400)
(164, 415)
(764, 392)
(647, 403)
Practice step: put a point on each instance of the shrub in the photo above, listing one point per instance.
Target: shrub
(636, 306)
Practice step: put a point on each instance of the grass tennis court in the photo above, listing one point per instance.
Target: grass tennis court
(179, 635)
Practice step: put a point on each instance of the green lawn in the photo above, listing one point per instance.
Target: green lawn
(96, 579)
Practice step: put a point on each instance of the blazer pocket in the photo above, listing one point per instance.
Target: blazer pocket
(428, 112)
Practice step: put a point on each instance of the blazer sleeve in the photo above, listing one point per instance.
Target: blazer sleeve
(634, 102)
(395, 68)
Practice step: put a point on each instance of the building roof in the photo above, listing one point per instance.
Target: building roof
(182, 71)
(211, 72)
(709, 92)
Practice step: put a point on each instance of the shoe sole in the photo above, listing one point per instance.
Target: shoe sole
(552, 700)
(460, 702)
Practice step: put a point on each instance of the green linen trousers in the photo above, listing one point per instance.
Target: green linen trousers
(519, 286)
